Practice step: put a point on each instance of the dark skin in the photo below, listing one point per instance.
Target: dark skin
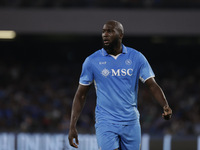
(112, 35)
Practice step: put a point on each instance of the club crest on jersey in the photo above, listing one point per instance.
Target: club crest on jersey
(105, 72)
(128, 62)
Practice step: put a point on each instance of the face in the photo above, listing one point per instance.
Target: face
(111, 37)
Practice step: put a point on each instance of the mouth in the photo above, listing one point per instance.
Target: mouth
(106, 41)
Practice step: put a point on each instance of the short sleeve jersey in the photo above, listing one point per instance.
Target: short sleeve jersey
(116, 81)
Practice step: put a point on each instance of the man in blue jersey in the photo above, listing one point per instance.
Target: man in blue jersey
(115, 70)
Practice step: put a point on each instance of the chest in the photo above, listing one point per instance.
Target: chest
(121, 66)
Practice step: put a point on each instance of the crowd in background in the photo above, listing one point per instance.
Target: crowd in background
(38, 98)
(39, 77)
(101, 3)
(181, 86)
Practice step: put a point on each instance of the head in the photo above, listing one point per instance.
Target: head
(112, 35)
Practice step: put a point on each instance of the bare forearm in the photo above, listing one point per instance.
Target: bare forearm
(78, 104)
(158, 95)
(157, 92)
(77, 107)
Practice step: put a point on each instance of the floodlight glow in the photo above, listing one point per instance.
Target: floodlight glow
(7, 34)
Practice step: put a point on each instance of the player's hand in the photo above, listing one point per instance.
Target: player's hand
(167, 113)
(73, 134)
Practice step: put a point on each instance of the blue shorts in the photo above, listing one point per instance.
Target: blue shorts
(124, 137)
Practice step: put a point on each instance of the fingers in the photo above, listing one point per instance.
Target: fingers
(166, 117)
(167, 113)
(72, 136)
(71, 142)
(75, 145)
(76, 139)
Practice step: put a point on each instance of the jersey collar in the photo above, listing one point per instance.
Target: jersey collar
(124, 50)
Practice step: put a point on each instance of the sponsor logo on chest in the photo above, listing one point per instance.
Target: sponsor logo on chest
(124, 71)
(117, 72)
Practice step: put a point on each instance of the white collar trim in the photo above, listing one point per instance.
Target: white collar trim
(115, 57)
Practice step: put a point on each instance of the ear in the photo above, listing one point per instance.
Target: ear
(121, 36)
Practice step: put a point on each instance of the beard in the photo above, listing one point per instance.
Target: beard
(110, 48)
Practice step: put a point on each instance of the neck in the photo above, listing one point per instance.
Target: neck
(115, 50)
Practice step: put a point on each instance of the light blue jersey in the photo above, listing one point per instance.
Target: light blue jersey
(116, 81)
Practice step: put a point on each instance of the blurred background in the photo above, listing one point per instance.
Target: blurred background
(47, 41)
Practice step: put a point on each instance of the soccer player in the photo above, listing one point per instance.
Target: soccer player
(115, 70)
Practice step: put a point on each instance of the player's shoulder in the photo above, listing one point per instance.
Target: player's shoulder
(97, 53)
(133, 51)
(94, 55)
(135, 54)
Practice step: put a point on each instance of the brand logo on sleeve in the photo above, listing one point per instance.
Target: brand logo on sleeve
(102, 62)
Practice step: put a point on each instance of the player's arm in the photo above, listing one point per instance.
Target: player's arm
(158, 94)
(78, 104)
